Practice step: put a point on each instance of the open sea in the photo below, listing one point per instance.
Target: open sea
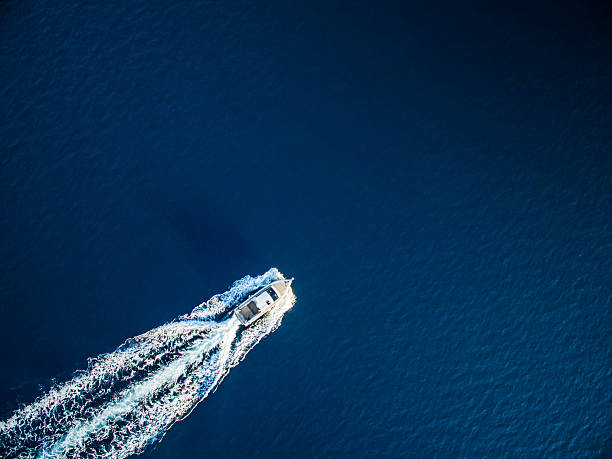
(436, 176)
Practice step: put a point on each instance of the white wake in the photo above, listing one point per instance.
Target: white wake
(129, 398)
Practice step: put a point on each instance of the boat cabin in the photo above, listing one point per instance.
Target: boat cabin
(257, 305)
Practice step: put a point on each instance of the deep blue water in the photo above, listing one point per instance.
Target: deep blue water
(438, 179)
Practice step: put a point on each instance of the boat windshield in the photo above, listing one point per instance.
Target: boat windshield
(272, 293)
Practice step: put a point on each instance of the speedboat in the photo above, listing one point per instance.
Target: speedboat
(261, 301)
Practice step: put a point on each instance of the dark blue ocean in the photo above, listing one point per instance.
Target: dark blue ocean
(437, 178)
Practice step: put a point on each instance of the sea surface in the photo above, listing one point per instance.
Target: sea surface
(437, 178)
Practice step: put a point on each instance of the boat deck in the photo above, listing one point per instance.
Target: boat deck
(249, 310)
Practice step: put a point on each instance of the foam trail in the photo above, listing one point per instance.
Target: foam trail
(129, 398)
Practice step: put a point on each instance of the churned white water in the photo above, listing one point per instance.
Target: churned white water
(129, 398)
